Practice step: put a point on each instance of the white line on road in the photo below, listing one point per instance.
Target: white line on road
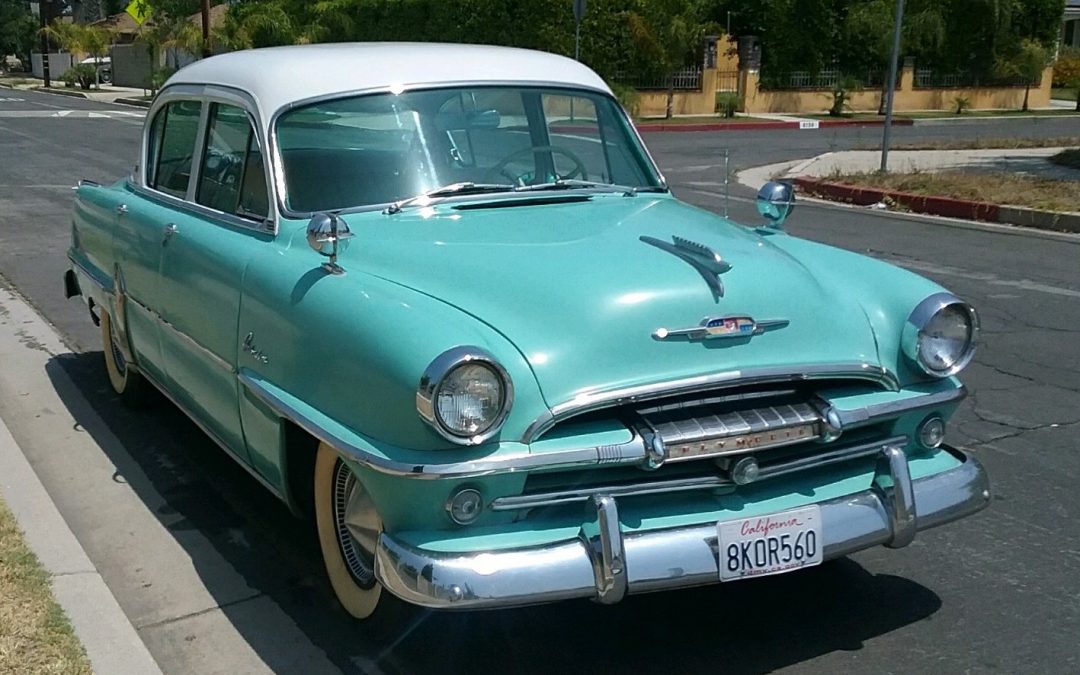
(72, 114)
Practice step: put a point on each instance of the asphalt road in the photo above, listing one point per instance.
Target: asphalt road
(997, 592)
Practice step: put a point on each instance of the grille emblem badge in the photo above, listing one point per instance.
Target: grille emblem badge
(712, 327)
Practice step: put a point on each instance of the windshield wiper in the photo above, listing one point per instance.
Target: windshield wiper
(573, 183)
(465, 188)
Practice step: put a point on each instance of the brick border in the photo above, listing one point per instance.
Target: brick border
(941, 206)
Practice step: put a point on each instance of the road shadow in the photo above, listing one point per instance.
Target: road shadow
(749, 627)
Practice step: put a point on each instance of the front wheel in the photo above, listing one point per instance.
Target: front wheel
(349, 528)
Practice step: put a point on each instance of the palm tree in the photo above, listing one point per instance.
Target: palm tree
(80, 39)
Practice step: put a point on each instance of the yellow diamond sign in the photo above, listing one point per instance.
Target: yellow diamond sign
(139, 10)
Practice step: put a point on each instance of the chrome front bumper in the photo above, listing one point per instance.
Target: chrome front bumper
(604, 564)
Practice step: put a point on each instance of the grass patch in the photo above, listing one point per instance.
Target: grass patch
(983, 144)
(1063, 93)
(996, 188)
(939, 114)
(1069, 158)
(35, 636)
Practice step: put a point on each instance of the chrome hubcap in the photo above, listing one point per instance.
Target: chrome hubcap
(118, 356)
(357, 524)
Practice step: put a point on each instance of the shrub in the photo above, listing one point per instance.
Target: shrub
(82, 74)
(1067, 67)
(841, 92)
(158, 77)
(961, 103)
(727, 103)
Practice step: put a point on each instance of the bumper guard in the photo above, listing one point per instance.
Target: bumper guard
(605, 564)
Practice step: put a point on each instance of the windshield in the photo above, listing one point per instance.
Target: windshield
(381, 148)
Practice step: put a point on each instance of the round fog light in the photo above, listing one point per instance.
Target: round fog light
(932, 432)
(745, 471)
(465, 506)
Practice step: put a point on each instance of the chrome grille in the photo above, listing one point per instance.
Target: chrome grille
(694, 433)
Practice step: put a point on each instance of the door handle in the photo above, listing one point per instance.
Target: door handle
(121, 209)
(170, 230)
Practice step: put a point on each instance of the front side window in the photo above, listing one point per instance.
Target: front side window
(172, 147)
(380, 148)
(231, 178)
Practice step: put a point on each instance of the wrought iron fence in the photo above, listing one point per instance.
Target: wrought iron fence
(829, 78)
(929, 78)
(687, 79)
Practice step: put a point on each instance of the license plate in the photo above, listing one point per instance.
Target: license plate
(772, 544)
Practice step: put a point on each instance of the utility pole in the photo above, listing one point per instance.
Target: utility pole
(891, 91)
(44, 43)
(579, 11)
(205, 28)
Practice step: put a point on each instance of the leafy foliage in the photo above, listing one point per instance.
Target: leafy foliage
(1067, 68)
(17, 29)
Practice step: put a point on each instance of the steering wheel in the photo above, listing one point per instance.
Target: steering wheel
(579, 170)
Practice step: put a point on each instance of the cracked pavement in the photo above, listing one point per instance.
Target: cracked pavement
(217, 577)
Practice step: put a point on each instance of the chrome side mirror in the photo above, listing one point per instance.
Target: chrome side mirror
(775, 201)
(329, 235)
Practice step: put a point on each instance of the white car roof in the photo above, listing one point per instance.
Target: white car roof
(278, 76)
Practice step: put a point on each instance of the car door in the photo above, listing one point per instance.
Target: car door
(202, 269)
(144, 217)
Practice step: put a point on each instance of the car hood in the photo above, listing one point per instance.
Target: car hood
(574, 287)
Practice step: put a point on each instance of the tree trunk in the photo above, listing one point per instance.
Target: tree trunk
(1027, 90)
(670, 99)
(884, 96)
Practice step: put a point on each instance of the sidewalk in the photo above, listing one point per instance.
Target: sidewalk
(106, 94)
(111, 642)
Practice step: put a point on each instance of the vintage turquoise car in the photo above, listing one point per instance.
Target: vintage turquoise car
(503, 390)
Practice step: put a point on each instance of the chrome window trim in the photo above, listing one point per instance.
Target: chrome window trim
(432, 379)
(916, 322)
(590, 401)
(279, 166)
(207, 94)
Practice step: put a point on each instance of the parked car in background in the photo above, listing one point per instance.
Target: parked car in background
(441, 298)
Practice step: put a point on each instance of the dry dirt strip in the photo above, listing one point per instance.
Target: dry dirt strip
(940, 206)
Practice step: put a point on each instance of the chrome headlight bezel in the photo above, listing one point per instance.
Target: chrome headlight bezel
(919, 319)
(435, 375)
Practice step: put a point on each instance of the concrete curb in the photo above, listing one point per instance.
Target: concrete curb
(111, 642)
(138, 103)
(769, 126)
(60, 92)
(942, 206)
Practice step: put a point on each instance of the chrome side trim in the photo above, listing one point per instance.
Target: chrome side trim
(707, 483)
(851, 419)
(589, 401)
(183, 337)
(628, 453)
(660, 559)
(214, 437)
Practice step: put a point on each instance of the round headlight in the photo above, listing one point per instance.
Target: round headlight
(465, 395)
(940, 335)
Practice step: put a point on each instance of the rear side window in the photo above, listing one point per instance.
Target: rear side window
(172, 146)
(231, 179)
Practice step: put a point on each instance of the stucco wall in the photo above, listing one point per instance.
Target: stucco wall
(131, 65)
(908, 97)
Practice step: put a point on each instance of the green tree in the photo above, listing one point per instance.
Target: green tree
(17, 29)
(1027, 62)
(670, 33)
(82, 40)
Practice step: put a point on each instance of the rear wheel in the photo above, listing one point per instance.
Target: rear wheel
(349, 528)
(125, 380)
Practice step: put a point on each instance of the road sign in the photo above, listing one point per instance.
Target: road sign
(140, 10)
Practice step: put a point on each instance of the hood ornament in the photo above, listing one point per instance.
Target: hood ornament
(712, 327)
(706, 261)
